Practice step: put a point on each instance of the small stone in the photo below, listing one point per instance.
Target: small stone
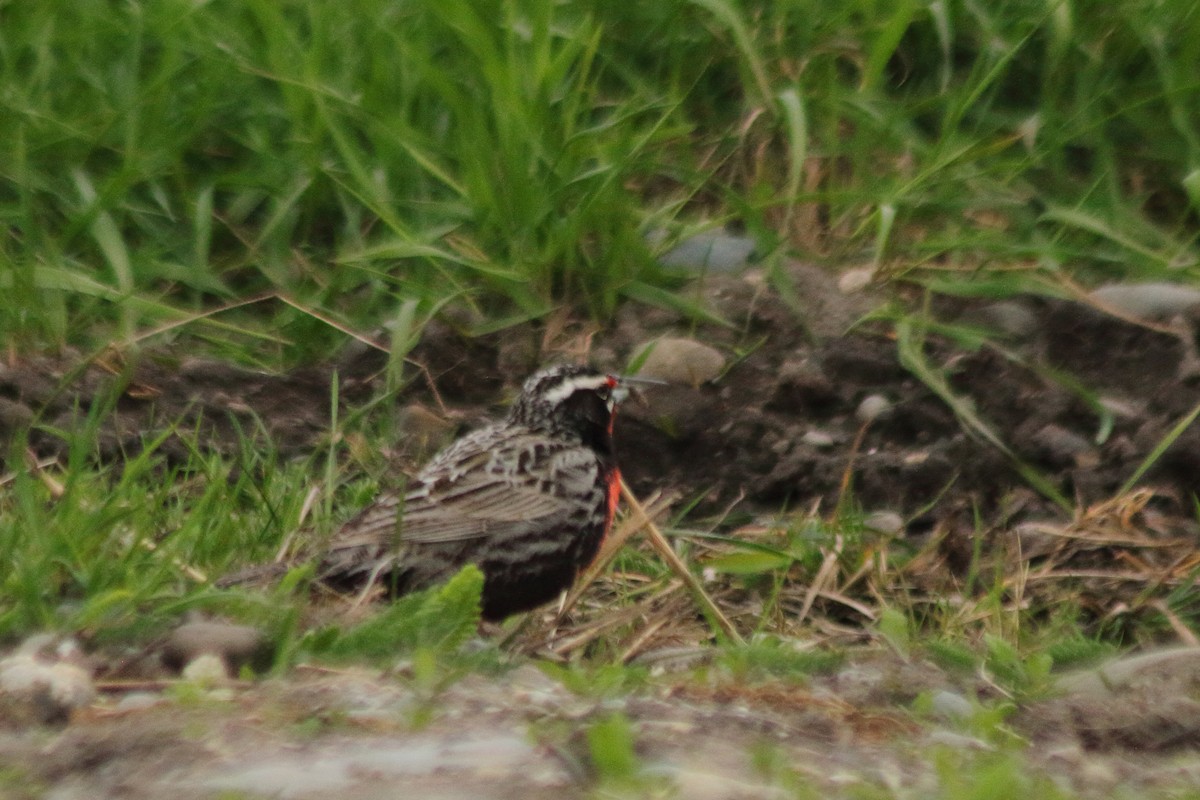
(32, 690)
(1150, 300)
(207, 669)
(138, 701)
(235, 645)
(957, 741)
(680, 361)
(889, 523)
(1062, 446)
(1012, 318)
(872, 407)
(855, 280)
(712, 250)
(951, 706)
(818, 439)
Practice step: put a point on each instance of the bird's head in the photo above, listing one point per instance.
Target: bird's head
(568, 399)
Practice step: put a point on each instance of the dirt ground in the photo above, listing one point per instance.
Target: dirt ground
(1128, 730)
(781, 427)
(775, 429)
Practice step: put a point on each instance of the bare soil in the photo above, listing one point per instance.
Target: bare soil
(792, 372)
(351, 732)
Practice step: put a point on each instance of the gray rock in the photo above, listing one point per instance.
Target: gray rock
(1151, 300)
(712, 250)
(855, 280)
(1010, 317)
(235, 645)
(819, 439)
(1157, 668)
(1063, 446)
(888, 523)
(42, 692)
(951, 705)
(680, 361)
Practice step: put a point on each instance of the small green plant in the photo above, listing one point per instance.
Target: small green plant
(597, 679)
(616, 767)
(438, 620)
(963, 775)
(773, 657)
(17, 784)
(611, 747)
(1021, 674)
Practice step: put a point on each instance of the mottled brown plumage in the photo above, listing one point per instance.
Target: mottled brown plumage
(528, 499)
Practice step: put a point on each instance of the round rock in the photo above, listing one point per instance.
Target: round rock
(35, 691)
(1150, 300)
(680, 361)
(235, 645)
(889, 523)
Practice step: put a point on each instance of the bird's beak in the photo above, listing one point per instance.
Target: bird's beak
(629, 387)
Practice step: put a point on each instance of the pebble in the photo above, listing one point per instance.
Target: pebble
(818, 439)
(1065, 446)
(234, 645)
(872, 407)
(1150, 300)
(38, 691)
(139, 701)
(855, 280)
(680, 361)
(712, 250)
(1118, 675)
(889, 523)
(951, 706)
(206, 669)
(957, 741)
(1010, 317)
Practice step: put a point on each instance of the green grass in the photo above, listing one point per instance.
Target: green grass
(505, 157)
(122, 550)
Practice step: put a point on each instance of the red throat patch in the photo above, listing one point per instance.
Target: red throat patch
(614, 497)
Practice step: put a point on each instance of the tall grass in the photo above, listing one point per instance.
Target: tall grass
(509, 155)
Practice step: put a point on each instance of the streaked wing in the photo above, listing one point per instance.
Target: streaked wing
(452, 502)
(472, 490)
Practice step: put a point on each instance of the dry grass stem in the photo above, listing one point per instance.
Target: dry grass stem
(612, 545)
(664, 549)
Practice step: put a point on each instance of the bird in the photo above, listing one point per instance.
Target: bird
(528, 499)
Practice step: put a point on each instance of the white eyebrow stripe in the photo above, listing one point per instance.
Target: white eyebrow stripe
(572, 385)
